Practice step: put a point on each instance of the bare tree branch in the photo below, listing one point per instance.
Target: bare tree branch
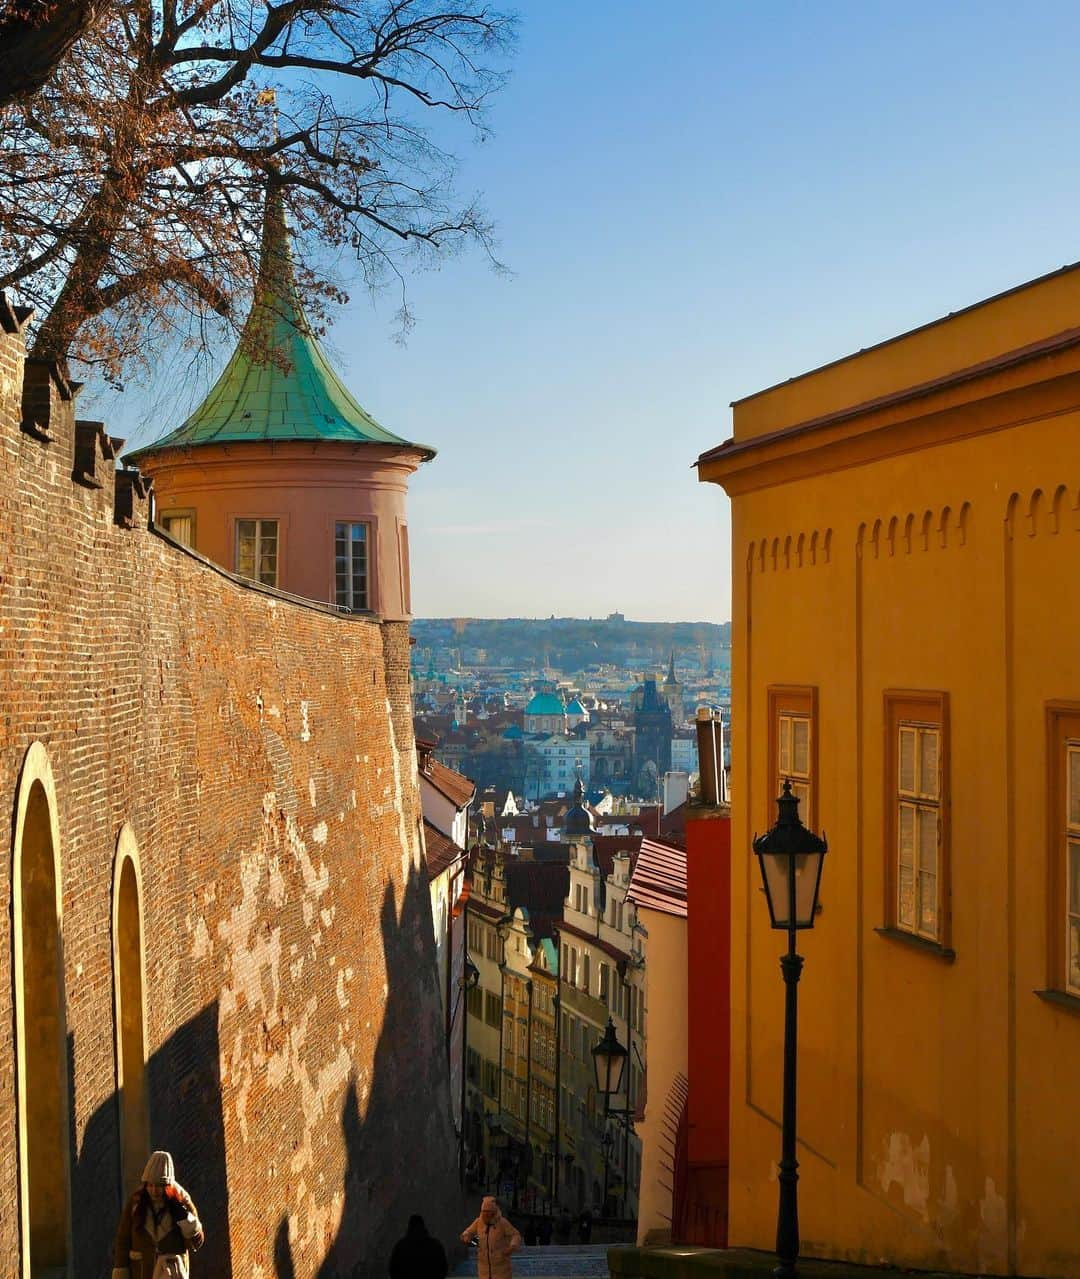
(132, 185)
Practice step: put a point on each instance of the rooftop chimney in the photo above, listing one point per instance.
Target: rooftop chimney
(710, 736)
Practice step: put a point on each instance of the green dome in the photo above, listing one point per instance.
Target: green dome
(278, 385)
(545, 704)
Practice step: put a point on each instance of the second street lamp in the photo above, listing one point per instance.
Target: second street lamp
(609, 1062)
(791, 859)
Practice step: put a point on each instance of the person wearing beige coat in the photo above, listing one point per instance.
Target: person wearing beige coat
(496, 1241)
(159, 1227)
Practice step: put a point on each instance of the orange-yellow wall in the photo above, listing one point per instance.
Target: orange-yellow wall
(307, 488)
(939, 1119)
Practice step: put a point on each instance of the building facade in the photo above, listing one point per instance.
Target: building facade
(919, 502)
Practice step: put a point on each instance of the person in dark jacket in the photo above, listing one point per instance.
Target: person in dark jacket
(584, 1226)
(418, 1255)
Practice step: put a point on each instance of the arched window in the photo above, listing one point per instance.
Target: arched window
(128, 988)
(40, 1025)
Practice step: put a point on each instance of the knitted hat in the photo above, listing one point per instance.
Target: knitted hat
(159, 1167)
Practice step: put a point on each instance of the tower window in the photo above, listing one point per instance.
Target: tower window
(180, 525)
(351, 565)
(257, 550)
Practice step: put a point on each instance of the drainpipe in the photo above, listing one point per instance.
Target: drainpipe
(528, 1073)
(558, 1076)
(464, 1039)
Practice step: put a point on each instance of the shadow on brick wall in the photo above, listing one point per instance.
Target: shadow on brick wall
(401, 1156)
(184, 1083)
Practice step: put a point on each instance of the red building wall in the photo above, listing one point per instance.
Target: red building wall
(708, 848)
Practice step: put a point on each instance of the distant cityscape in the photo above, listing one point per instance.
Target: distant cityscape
(532, 706)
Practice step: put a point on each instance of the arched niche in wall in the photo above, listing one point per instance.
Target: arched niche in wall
(41, 1061)
(129, 995)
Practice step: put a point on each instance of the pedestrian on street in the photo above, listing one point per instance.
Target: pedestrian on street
(563, 1225)
(584, 1226)
(418, 1255)
(159, 1227)
(497, 1240)
(544, 1231)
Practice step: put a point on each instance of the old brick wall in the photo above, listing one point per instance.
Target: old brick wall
(261, 749)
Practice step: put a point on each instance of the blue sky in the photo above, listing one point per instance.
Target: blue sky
(696, 200)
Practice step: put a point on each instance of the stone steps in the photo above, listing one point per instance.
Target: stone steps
(559, 1261)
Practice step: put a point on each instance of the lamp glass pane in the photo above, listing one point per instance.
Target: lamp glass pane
(776, 882)
(807, 874)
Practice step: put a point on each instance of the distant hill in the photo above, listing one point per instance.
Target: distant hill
(573, 643)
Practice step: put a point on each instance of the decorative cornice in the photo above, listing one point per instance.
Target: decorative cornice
(1032, 382)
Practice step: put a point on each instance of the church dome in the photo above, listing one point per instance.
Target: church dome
(545, 704)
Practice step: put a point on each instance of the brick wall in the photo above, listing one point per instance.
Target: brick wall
(261, 750)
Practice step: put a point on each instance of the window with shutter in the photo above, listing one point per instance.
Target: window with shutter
(915, 726)
(1072, 868)
(1063, 828)
(792, 747)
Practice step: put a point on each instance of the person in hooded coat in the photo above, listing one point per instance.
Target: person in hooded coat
(496, 1241)
(159, 1227)
(418, 1255)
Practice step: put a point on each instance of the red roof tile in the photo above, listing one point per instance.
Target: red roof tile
(458, 790)
(441, 852)
(659, 878)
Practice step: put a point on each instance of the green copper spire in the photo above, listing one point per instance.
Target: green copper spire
(278, 385)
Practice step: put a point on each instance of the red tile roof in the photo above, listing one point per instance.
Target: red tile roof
(441, 852)
(659, 878)
(458, 790)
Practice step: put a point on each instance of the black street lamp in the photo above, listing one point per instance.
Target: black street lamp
(791, 858)
(609, 1062)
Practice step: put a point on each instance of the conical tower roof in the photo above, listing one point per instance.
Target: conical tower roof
(671, 679)
(278, 385)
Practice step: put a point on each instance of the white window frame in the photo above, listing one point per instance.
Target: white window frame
(346, 599)
(260, 534)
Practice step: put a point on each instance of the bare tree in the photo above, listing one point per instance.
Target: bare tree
(34, 37)
(132, 185)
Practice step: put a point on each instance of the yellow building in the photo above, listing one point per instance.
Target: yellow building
(906, 639)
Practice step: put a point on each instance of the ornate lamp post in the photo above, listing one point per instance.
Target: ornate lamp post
(609, 1062)
(470, 977)
(791, 858)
